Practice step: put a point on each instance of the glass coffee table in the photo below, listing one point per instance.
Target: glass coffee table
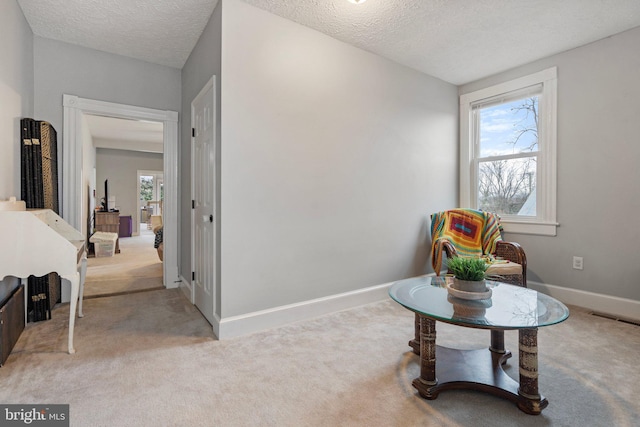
(510, 307)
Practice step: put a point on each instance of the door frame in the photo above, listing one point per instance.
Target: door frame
(72, 167)
(211, 84)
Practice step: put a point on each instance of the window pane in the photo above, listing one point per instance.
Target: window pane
(509, 128)
(146, 187)
(508, 186)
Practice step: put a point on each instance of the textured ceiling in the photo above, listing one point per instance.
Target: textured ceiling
(455, 40)
(159, 31)
(462, 40)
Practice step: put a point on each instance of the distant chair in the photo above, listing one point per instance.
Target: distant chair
(469, 232)
(154, 208)
(155, 221)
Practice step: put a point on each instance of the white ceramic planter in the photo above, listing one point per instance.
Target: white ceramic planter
(469, 286)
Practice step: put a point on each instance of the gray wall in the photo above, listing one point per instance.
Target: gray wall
(62, 68)
(204, 62)
(16, 92)
(332, 160)
(598, 173)
(121, 167)
(16, 100)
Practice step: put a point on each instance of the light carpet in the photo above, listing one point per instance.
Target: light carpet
(150, 359)
(136, 268)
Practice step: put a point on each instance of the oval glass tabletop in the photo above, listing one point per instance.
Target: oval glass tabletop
(510, 307)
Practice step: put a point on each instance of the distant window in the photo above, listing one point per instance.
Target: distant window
(508, 152)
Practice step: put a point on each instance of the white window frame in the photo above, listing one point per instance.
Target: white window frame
(544, 223)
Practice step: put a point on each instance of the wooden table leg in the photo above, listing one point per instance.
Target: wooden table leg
(533, 403)
(415, 342)
(497, 341)
(427, 378)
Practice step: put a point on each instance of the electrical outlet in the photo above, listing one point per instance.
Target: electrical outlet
(577, 263)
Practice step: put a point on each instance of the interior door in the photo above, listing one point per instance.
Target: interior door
(203, 161)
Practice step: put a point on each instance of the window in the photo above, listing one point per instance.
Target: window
(508, 152)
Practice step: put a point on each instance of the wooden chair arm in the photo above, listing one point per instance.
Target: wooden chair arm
(513, 252)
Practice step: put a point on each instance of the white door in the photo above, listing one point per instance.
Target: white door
(203, 184)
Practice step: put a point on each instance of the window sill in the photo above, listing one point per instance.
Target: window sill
(535, 228)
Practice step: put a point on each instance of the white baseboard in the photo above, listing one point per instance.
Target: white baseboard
(235, 326)
(279, 316)
(619, 307)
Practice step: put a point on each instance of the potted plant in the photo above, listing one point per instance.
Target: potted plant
(469, 273)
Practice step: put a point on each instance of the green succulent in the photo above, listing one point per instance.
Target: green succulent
(464, 268)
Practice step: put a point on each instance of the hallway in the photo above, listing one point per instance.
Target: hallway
(136, 268)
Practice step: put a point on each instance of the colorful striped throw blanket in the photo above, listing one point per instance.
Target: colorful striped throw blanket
(471, 232)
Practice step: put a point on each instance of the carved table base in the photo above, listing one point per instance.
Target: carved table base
(479, 369)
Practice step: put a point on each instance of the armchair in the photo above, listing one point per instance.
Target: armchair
(468, 232)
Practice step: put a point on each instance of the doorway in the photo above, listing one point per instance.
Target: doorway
(150, 200)
(125, 149)
(73, 167)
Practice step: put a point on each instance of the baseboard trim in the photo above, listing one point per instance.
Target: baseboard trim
(620, 307)
(235, 326)
(216, 325)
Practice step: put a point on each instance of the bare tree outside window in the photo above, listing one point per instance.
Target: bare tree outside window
(527, 126)
(508, 148)
(505, 185)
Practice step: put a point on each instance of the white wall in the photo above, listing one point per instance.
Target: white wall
(332, 160)
(88, 167)
(121, 167)
(598, 173)
(16, 92)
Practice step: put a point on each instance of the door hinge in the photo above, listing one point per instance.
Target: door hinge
(193, 132)
(193, 204)
(193, 275)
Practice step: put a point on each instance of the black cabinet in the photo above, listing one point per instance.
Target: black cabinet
(11, 321)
